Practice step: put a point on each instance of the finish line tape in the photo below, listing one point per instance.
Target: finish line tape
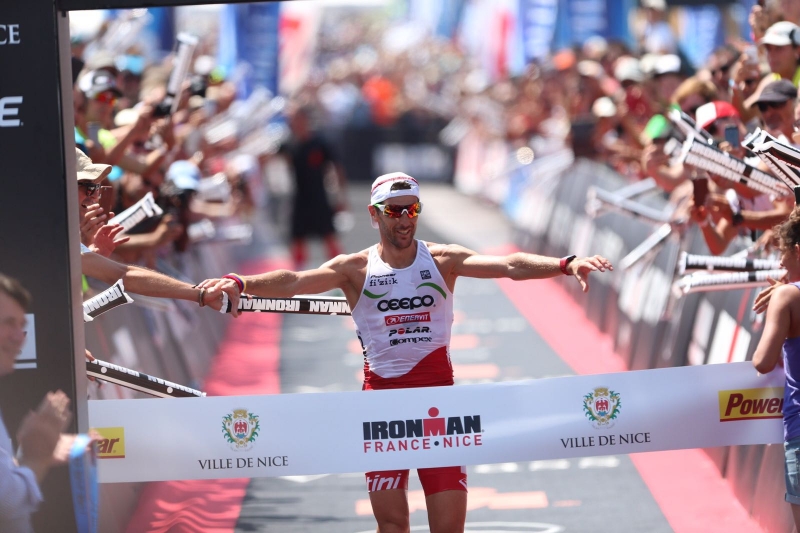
(308, 434)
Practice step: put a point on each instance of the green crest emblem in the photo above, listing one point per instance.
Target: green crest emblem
(240, 429)
(601, 407)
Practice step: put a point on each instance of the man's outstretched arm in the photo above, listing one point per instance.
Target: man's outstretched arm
(287, 283)
(521, 266)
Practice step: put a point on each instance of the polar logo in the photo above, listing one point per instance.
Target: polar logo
(405, 303)
(9, 109)
(406, 331)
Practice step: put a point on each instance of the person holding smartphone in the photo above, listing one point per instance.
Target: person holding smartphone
(722, 209)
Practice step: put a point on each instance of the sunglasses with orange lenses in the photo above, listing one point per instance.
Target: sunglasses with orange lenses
(106, 98)
(396, 211)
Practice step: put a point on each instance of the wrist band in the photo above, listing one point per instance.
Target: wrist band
(200, 298)
(238, 279)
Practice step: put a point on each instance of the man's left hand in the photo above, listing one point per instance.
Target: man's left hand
(580, 268)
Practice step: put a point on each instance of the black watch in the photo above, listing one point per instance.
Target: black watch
(564, 262)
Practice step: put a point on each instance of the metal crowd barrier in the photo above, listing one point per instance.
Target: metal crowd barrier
(652, 327)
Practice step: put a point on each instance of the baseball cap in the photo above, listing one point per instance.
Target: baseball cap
(707, 113)
(103, 60)
(774, 91)
(390, 186)
(88, 171)
(627, 68)
(604, 107)
(666, 64)
(781, 33)
(184, 175)
(96, 82)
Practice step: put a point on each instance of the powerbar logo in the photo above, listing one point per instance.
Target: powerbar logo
(393, 320)
(112, 445)
(421, 434)
(751, 404)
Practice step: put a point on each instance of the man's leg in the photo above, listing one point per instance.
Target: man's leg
(298, 252)
(390, 508)
(446, 497)
(796, 514)
(332, 245)
(447, 511)
(389, 499)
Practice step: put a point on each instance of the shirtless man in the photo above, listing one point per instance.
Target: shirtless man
(403, 284)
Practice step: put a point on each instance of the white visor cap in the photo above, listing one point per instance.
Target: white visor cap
(382, 188)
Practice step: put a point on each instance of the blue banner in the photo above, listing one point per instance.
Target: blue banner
(703, 31)
(249, 35)
(449, 18)
(538, 22)
(587, 18)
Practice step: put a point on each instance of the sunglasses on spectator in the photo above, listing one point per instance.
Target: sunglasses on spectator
(750, 82)
(396, 211)
(90, 188)
(722, 70)
(763, 106)
(106, 98)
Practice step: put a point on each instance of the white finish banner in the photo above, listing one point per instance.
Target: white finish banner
(305, 434)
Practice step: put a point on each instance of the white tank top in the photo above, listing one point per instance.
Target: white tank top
(402, 316)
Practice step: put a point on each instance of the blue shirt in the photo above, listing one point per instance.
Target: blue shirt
(19, 492)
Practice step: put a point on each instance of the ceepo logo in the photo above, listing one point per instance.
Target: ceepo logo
(9, 34)
(112, 445)
(405, 303)
(9, 111)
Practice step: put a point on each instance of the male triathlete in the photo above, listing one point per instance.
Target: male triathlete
(401, 295)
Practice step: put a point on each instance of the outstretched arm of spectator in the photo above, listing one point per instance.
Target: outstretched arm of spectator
(149, 282)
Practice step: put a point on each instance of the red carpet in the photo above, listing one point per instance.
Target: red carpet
(685, 483)
(247, 362)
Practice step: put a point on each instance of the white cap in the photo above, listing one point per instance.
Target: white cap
(604, 107)
(781, 33)
(386, 186)
(627, 68)
(667, 64)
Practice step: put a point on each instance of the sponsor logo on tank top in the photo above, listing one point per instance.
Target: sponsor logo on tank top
(382, 280)
(405, 303)
(425, 274)
(422, 433)
(408, 331)
(393, 320)
(409, 340)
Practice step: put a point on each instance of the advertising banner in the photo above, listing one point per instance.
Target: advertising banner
(307, 434)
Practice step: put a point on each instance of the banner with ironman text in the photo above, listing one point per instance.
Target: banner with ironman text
(307, 434)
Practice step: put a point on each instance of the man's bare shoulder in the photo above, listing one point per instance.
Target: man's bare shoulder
(349, 262)
(447, 251)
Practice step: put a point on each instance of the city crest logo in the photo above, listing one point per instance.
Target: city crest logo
(240, 428)
(601, 407)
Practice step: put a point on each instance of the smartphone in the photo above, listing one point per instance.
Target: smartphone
(700, 191)
(93, 132)
(732, 136)
(106, 198)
